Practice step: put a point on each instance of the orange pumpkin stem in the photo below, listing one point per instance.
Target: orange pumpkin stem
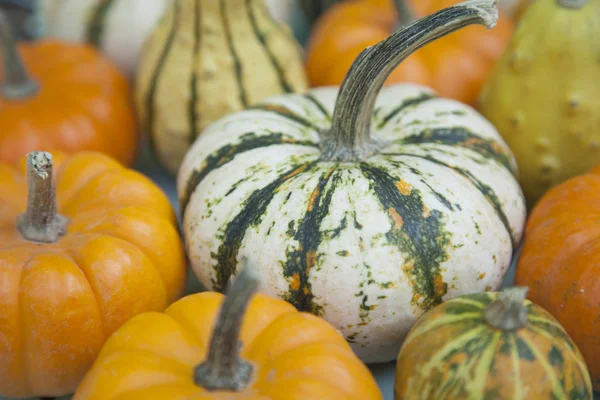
(41, 223)
(350, 138)
(507, 312)
(17, 84)
(224, 369)
(572, 3)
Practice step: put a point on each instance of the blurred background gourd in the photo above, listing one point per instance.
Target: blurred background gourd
(64, 96)
(206, 59)
(456, 66)
(117, 27)
(543, 93)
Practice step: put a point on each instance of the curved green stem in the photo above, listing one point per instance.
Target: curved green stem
(17, 84)
(41, 223)
(224, 369)
(349, 138)
(572, 3)
(507, 312)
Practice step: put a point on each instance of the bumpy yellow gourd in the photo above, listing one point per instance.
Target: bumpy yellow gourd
(208, 58)
(544, 94)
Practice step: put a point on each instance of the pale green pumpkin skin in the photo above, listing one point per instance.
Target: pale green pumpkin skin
(370, 245)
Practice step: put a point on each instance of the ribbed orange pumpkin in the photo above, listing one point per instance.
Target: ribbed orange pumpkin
(62, 96)
(75, 263)
(456, 66)
(560, 261)
(284, 354)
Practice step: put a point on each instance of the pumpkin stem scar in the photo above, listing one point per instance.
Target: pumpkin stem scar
(507, 312)
(17, 84)
(572, 3)
(223, 368)
(41, 223)
(349, 138)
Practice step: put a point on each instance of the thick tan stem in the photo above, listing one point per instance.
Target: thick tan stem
(508, 311)
(349, 138)
(41, 223)
(572, 3)
(224, 369)
(16, 85)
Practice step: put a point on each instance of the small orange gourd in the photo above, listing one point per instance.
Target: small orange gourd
(85, 244)
(456, 66)
(63, 96)
(192, 351)
(560, 261)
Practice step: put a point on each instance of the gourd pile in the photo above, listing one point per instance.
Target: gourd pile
(359, 200)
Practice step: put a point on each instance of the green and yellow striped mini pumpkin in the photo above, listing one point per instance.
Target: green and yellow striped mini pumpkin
(206, 59)
(361, 206)
(490, 346)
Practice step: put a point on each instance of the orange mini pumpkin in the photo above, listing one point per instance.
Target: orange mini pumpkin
(62, 96)
(560, 261)
(456, 66)
(192, 352)
(80, 253)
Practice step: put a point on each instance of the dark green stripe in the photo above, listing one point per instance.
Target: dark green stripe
(286, 113)
(423, 239)
(226, 154)
(405, 104)
(253, 210)
(463, 138)
(287, 88)
(485, 190)
(309, 236)
(193, 115)
(234, 56)
(95, 23)
(310, 97)
(157, 74)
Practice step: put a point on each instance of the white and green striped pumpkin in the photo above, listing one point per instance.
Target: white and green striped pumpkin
(118, 27)
(366, 206)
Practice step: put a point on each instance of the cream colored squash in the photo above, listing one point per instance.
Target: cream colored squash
(118, 27)
(206, 59)
(363, 205)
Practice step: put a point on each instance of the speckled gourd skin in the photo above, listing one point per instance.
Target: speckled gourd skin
(543, 96)
(367, 245)
(452, 353)
(208, 58)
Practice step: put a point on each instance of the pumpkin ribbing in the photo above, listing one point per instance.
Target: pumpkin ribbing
(230, 53)
(453, 352)
(280, 184)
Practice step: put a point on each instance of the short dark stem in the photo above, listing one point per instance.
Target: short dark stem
(224, 369)
(17, 84)
(572, 3)
(406, 14)
(41, 223)
(349, 139)
(508, 311)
